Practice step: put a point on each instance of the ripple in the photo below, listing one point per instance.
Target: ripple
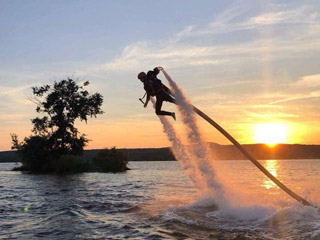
(147, 203)
(131, 209)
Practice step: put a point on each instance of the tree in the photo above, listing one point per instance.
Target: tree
(54, 132)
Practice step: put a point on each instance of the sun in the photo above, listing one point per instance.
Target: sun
(271, 133)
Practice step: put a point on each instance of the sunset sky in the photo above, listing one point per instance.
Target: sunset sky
(253, 66)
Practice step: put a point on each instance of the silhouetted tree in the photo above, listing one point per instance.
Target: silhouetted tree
(54, 133)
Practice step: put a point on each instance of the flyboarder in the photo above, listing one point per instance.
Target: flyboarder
(154, 87)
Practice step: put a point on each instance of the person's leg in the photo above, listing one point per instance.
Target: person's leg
(170, 99)
(158, 107)
(167, 97)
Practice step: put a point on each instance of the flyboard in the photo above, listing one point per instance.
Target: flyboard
(246, 153)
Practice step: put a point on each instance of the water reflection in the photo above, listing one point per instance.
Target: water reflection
(272, 166)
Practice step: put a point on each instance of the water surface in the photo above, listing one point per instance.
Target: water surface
(155, 200)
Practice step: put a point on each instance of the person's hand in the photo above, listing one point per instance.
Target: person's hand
(160, 68)
(156, 70)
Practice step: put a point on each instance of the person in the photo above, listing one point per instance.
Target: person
(154, 87)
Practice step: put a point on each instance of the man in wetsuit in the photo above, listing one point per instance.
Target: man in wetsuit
(154, 87)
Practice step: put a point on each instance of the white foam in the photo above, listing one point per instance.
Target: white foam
(250, 213)
(179, 151)
(201, 157)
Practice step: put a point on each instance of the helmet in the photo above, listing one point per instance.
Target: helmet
(142, 75)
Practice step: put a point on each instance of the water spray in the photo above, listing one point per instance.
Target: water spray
(240, 148)
(178, 149)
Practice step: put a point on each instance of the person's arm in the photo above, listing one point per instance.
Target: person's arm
(147, 100)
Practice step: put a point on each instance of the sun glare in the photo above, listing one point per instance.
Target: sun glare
(271, 133)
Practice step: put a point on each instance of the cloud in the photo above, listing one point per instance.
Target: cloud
(272, 115)
(238, 18)
(14, 99)
(304, 14)
(13, 117)
(228, 17)
(207, 62)
(301, 90)
(315, 94)
(141, 54)
(182, 34)
(14, 91)
(197, 46)
(310, 81)
(298, 97)
(269, 18)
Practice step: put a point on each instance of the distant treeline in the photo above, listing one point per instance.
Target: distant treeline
(221, 152)
(262, 151)
(141, 154)
(9, 156)
(138, 154)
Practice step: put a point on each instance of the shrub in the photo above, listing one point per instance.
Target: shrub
(70, 163)
(34, 153)
(111, 160)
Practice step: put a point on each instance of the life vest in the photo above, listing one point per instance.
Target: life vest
(153, 86)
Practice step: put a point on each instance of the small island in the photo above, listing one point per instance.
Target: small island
(56, 145)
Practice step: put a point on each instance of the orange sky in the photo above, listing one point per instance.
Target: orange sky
(245, 65)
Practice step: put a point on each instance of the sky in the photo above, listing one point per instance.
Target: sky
(246, 64)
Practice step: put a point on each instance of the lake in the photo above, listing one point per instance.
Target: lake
(155, 200)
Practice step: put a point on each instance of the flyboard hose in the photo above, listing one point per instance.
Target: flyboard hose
(247, 154)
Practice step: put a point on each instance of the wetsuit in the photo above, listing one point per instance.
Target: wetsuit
(154, 87)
